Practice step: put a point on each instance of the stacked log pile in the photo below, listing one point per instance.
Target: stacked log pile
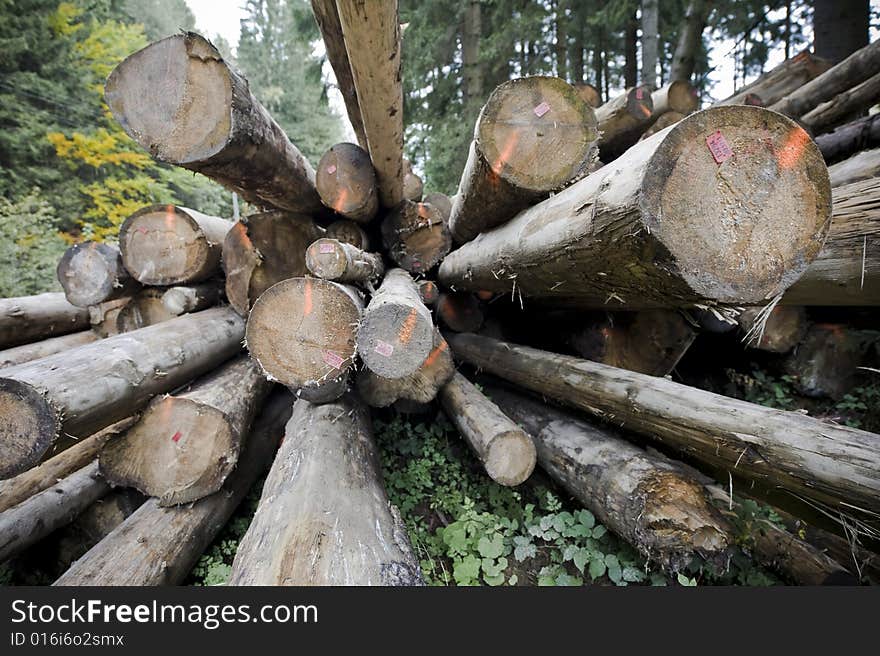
(353, 290)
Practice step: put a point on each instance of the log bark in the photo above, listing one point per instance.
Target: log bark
(779, 332)
(416, 236)
(849, 139)
(206, 120)
(183, 299)
(36, 350)
(348, 232)
(601, 243)
(36, 517)
(20, 488)
(306, 532)
(83, 390)
(847, 270)
(460, 311)
(506, 450)
(104, 317)
(92, 272)
(397, 333)
(27, 319)
(831, 464)
(442, 202)
(185, 445)
(171, 245)
(327, 17)
(861, 166)
(622, 120)
(853, 70)
(650, 41)
(371, 32)
(589, 94)
(429, 292)
(826, 361)
(346, 182)
(533, 136)
(332, 259)
(264, 249)
(662, 122)
(159, 546)
(302, 332)
(777, 83)
(648, 501)
(677, 96)
(420, 387)
(843, 106)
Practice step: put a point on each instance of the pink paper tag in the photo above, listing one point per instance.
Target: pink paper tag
(331, 169)
(176, 437)
(384, 348)
(719, 147)
(333, 359)
(326, 248)
(541, 109)
(640, 93)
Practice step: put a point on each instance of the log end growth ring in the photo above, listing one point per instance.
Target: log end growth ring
(28, 429)
(326, 259)
(394, 340)
(741, 199)
(511, 458)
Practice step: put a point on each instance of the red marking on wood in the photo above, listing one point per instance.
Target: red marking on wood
(406, 330)
(307, 300)
(541, 109)
(793, 148)
(176, 437)
(333, 359)
(433, 355)
(718, 146)
(384, 348)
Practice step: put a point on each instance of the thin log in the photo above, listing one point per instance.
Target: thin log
(844, 105)
(849, 139)
(777, 83)
(622, 120)
(460, 311)
(191, 298)
(416, 236)
(348, 232)
(861, 166)
(346, 182)
(207, 120)
(36, 350)
(332, 259)
(442, 202)
(80, 391)
(185, 445)
(28, 319)
(534, 136)
(601, 243)
(309, 532)
(663, 122)
(92, 272)
(677, 96)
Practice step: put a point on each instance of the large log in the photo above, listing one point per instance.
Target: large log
(849, 139)
(346, 182)
(847, 271)
(80, 391)
(159, 546)
(36, 350)
(28, 319)
(853, 70)
(678, 96)
(185, 445)
(36, 517)
(832, 464)
(332, 259)
(204, 118)
(533, 136)
(371, 32)
(861, 166)
(848, 103)
(416, 236)
(324, 517)
(622, 121)
(397, 333)
(92, 272)
(264, 249)
(170, 245)
(647, 501)
(506, 450)
(656, 229)
(302, 332)
(787, 77)
(327, 17)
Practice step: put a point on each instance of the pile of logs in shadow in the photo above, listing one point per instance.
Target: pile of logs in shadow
(201, 352)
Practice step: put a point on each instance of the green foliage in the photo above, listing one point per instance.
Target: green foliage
(764, 389)
(861, 406)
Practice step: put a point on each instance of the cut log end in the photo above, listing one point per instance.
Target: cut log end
(29, 426)
(416, 236)
(91, 273)
(326, 259)
(510, 458)
(346, 182)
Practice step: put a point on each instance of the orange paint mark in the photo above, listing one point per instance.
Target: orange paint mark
(793, 148)
(406, 330)
(433, 355)
(169, 216)
(339, 205)
(506, 152)
(645, 110)
(447, 308)
(307, 301)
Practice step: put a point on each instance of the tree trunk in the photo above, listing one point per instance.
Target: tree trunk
(36, 517)
(92, 272)
(29, 319)
(779, 332)
(348, 232)
(649, 502)
(534, 136)
(650, 42)
(622, 120)
(861, 166)
(85, 389)
(787, 77)
(15, 490)
(849, 139)
(826, 361)
(853, 70)
(662, 122)
(460, 311)
(506, 450)
(831, 464)
(159, 546)
(372, 39)
(416, 236)
(346, 182)
(36, 350)
(577, 51)
(441, 202)
(561, 45)
(184, 299)
(264, 249)
(185, 446)
(472, 68)
(327, 17)
(631, 53)
(396, 334)
(840, 27)
(428, 291)
(420, 387)
(847, 270)
(591, 243)
(301, 331)
(171, 245)
(332, 259)
(845, 104)
(590, 95)
(690, 40)
(206, 120)
(677, 96)
(306, 532)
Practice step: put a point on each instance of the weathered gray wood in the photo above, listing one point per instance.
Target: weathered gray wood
(36, 350)
(324, 517)
(777, 83)
(92, 272)
(861, 166)
(849, 139)
(844, 105)
(28, 319)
